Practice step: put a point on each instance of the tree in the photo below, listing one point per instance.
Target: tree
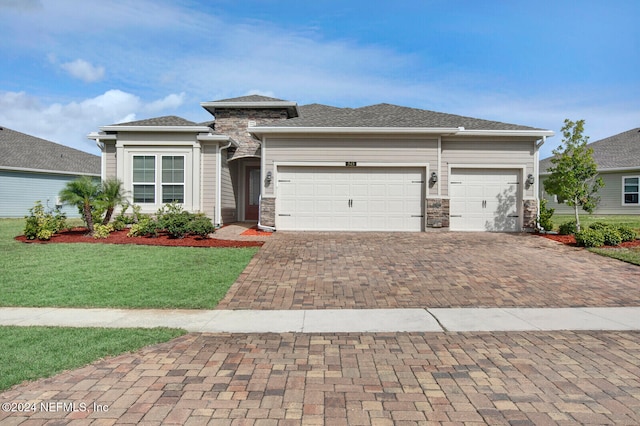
(110, 196)
(82, 193)
(574, 176)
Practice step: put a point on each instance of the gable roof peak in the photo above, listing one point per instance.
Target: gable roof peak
(167, 120)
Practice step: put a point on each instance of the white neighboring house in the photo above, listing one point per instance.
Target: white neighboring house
(33, 169)
(618, 160)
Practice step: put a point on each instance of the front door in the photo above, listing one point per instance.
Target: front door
(252, 193)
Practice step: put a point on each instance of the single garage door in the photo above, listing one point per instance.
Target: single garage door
(350, 199)
(484, 200)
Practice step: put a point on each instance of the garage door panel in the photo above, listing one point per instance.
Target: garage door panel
(484, 200)
(381, 199)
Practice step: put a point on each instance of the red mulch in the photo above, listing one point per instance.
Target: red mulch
(570, 240)
(79, 235)
(255, 232)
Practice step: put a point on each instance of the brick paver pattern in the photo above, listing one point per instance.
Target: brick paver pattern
(356, 379)
(428, 270)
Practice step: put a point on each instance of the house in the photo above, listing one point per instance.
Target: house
(618, 160)
(34, 169)
(322, 168)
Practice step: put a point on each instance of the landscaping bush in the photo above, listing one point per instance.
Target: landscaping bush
(626, 233)
(173, 219)
(599, 226)
(201, 225)
(568, 228)
(545, 215)
(611, 236)
(590, 238)
(43, 224)
(146, 227)
(102, 231)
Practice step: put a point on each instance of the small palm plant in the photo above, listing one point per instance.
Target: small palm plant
(112, 194)
(82, 193)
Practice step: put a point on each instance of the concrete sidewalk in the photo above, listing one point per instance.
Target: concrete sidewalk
(335, 320)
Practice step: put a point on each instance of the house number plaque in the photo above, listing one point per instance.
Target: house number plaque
(350, 163)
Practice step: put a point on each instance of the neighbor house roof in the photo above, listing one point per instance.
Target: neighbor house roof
(388, 115)
(19, 151)
(620, 151)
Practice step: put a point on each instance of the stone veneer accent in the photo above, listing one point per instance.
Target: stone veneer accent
(268, 212)
(437, 213)
(530, 215)
(234, 121)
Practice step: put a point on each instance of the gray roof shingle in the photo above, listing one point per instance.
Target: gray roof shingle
(387, 115)
(167, 120)
(19, 150)
(617, 151)
(251, 98)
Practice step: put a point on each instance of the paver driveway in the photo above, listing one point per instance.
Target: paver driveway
(407, 270)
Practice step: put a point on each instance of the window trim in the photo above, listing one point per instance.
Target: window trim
(624, 192)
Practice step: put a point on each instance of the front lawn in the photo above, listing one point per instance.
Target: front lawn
(632, 221)
(114, 276)
(631, 255)
(30, 353)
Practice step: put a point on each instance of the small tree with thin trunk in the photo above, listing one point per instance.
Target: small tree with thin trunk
(574, 176)
(111, 195)
(82, 193)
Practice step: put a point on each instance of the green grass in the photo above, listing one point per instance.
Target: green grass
(114, 276)
(630, 255)
(30, 353)
(632, 221)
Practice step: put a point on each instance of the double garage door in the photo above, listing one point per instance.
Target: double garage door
(350, 199)
(484, 200)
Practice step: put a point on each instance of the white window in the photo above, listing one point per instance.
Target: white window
(144, 179)
(173, 178)
(145, 183)
(630, 190)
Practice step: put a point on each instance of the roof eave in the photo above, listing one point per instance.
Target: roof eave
(291, 106)
(176, 129)
(46, 171)
(442, 131)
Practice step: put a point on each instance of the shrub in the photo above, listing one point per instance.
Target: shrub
(611, 236)
(568, 228)
(201, 225)
(599, 225)
(590, 238)
(626, 233)
(545, 215)
(173, 219)
(43, 224)
(145, 227)
(102, 231)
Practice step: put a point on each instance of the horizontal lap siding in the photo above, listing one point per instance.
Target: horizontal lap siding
(208, 184)
(20, 190)
(229, 209)
(396, 151)
(110, 156)
(610, 197)
(486, 151)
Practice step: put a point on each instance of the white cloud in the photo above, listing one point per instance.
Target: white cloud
(172, 101)
(69, 123)
(83, 70)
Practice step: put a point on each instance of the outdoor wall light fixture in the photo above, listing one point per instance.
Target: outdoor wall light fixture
(267, 178)
(530, 179)
(434, 177)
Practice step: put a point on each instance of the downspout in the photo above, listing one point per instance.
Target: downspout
(219, 185)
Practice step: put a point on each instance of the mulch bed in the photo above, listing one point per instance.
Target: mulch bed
(255, 232)
(79, 235)
(570, 240)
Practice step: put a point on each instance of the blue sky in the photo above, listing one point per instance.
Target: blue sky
(69, 67)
